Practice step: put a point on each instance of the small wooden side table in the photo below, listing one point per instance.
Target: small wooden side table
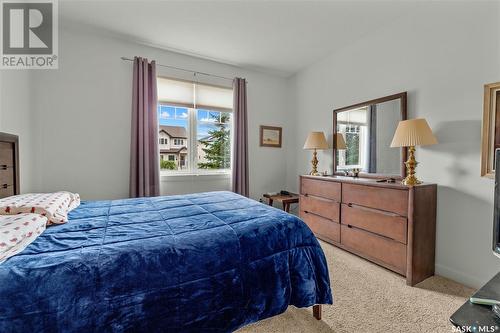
(286, 200)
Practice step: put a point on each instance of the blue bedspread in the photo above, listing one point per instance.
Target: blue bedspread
(208, 262)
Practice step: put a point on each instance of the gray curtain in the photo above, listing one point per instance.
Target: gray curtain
(240, 146)
(144, 155)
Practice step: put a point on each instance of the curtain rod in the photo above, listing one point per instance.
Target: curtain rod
(185, 70)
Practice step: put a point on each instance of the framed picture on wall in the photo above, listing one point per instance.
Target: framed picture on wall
(270, 136)
(491, 129)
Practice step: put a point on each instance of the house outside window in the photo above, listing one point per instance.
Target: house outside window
(195, 124)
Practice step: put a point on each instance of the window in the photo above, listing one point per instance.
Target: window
(213, 139)
(174, 123)
(197, 118)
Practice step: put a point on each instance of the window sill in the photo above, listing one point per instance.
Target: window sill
(184, 176)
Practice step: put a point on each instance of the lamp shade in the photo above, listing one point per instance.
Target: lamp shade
(339, 141)
(316, 140)
(413, 132)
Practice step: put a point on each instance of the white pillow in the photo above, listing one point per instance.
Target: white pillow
(55, 206)
(18, 231)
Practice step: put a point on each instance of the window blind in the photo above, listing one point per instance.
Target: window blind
(211, 97)
(357, 116)
(194, 95)
(175, 92)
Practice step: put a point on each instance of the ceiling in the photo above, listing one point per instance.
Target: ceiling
(280, 37)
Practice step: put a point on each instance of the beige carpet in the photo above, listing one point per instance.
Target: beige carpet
(369, 298)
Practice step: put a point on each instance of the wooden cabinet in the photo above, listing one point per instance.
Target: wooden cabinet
(9, 181)
(390, 224)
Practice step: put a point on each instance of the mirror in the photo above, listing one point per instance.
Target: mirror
(366, 130)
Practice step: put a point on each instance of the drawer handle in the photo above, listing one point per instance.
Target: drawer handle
(5, 185)
(374, 210)
(3, 167)
(371, 232)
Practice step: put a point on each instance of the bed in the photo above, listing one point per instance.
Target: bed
(207, 262)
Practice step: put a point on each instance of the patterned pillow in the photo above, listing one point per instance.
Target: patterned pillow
(55, 206)
(74, 202)
(18, 231)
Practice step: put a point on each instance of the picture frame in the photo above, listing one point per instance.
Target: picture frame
(490, 140)
(270, 136)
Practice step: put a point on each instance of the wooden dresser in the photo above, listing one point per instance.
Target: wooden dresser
(390, 224)
(9, 165)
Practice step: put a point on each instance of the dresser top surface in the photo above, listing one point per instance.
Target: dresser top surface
(365, 181)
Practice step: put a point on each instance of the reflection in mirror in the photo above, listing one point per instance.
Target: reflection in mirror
(352, 125)
(367, 130)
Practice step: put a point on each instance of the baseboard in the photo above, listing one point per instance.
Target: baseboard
(465, 279)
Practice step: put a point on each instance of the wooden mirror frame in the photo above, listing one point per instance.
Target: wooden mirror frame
(490, 134)
(404, 151)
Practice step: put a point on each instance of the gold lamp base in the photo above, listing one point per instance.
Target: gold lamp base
(314, 161)
(411, 165)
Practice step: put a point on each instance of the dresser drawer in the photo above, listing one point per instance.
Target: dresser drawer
(383, 223)
(321, 188)
(322, 227)
(6, 192)
(319, 206)
(387, 199)
(6, 154)
(377, 248)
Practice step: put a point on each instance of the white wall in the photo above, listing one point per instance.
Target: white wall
(196, 183)
(83, 113)
(15, 89)
(442, 54)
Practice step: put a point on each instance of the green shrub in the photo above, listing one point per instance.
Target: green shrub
(169, 165)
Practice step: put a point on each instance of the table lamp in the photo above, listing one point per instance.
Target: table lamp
(315, 140)
(411, 133)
